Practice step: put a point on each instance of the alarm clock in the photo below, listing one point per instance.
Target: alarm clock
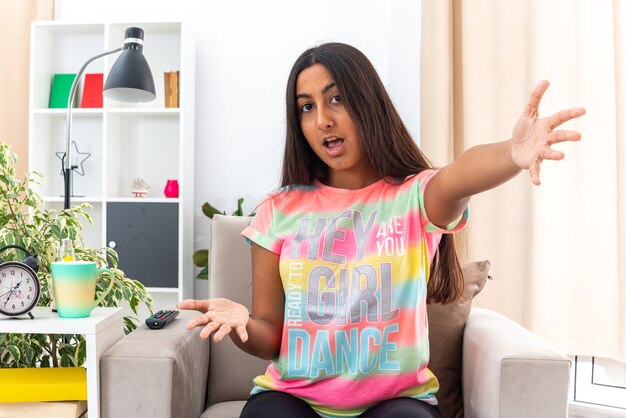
(19, 284)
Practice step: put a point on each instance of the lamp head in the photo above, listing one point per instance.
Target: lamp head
(130, 78)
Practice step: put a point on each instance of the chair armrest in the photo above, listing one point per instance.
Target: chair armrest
(156, 373)
(510, 372)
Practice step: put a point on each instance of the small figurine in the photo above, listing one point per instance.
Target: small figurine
(138, 187)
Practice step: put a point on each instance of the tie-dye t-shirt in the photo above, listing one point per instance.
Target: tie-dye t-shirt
(354, 265)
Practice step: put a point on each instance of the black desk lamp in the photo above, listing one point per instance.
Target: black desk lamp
(130, 80)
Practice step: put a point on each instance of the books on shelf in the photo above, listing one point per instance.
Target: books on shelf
(60, 90)
(171, 88)
(43, 384)
(92, 91)
(66, 409)
(55, 392)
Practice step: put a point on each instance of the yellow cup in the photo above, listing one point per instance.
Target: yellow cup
(74, 287)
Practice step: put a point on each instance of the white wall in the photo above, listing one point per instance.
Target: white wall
(245, 49)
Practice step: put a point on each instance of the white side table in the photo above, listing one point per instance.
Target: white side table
(103, 328)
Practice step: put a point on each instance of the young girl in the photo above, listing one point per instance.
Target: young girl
(346, 254)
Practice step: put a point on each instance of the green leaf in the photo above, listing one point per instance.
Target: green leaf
(204, 273)
(57, 232)
(127, 293)
(129, 325)
(81, 352)
(45, 361)
(34, 342)
(2, 338)
(201, 258)
(30, 355)
(210, 211)
(15, 352)
(134, 302)
(66, 361)
(239, 211)
(66, 349)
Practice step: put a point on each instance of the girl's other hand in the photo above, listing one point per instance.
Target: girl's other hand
(533, 137)
(220, 316)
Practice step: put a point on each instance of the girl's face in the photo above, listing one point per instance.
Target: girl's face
(329, 130)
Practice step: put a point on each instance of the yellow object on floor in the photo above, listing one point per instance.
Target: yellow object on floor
(43, 384)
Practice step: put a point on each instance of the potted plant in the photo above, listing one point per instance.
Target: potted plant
(26, 222)
(201, 257)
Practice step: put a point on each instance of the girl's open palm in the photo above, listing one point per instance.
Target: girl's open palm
(220, 316)
(533, 137)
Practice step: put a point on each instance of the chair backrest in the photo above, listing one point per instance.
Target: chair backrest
(230, 276)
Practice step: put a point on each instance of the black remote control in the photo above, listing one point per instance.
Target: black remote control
(161, 318)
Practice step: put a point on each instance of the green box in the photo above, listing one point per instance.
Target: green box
(60, 90)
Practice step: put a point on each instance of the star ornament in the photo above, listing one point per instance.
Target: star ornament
(78, 158)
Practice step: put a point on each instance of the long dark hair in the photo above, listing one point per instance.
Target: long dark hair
(386, 143)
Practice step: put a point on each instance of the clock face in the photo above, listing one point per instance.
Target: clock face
(19, 288)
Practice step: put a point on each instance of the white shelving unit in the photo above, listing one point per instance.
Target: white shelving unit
(125, 140)
(101, 329)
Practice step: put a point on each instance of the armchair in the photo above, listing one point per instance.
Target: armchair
(506, 370)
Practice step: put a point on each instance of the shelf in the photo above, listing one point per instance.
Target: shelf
(124, 141)
(88, 199)
(48, 322)
(77, 111)
(49, 131)
(146, 146)
(93, 199)
(143, 111)
(142, 199)
(162, 289)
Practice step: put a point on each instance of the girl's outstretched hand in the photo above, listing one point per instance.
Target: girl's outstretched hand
(220, 315)
(533, 137)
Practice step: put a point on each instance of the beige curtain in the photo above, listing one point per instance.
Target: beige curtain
(557, 250)
(15, 18)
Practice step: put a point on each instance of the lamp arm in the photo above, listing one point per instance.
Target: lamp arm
(68, 130)
(70, 100)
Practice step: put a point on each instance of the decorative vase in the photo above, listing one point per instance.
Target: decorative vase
(171, 188)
